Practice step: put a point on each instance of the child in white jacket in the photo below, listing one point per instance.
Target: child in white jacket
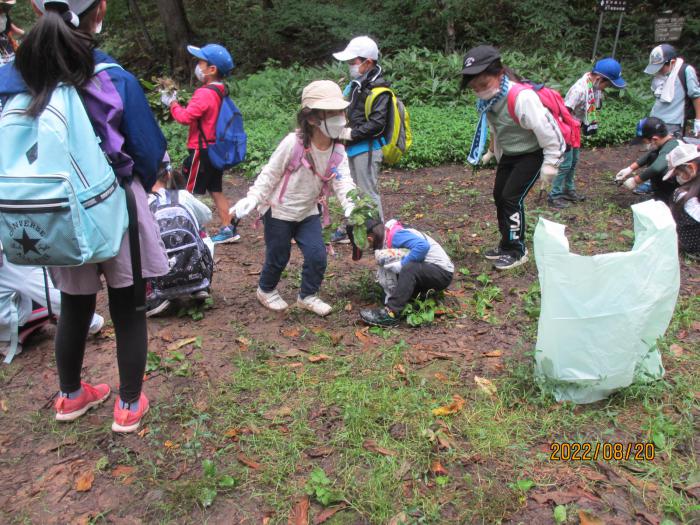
(290, 194)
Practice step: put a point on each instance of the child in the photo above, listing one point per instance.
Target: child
(214, 64)
(425, 267)
(662, 142)
(60, 49)
(24, 291)
(8, 32)
(684, 164)
(300, 172)
(191, 269)
(524, 149)
(583, 99)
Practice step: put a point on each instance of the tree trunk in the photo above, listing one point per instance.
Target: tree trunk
(178, 33)
(444, 10)
(267, 4)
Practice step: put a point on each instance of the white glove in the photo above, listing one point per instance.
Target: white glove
(346, 134)
(547, 173)
(168, 97)
(394, 267)
(243, 207)
(348, 211)
(486, 157)
(696, 127)
(630, 183)
(623, 174)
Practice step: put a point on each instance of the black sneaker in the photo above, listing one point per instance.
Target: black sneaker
(493, 254)
(507, 261)
(155, 308)
(379, 317)
(557, 202)
(573, 196)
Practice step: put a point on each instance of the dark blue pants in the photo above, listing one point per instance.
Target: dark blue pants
(278, 247)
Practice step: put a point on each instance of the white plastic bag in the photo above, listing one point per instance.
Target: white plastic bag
(601, 315)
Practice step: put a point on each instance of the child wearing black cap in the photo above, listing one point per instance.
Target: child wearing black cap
(200, 115)
(654, 132)
(525, 148)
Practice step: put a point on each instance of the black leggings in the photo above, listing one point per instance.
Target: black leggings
(129, 330)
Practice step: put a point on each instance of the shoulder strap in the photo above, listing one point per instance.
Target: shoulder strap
(683, 78)
(374, 93)
(295, 160)
(102, 66)
(173, 196)
(219, 92)
(513, 93)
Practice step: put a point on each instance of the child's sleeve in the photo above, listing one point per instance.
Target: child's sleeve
(199, 104)
(272, 173)
(343, 183)
(417, 245)
(534, 116)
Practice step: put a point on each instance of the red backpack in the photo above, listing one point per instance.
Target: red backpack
(551, 99)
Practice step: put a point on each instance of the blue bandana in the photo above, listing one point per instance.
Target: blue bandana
(482, 129)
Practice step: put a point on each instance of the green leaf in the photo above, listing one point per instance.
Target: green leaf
(102, 463)
(627, 233)
(524, 484)
(209, 468)
(659, 439)
(560, 514)
(227, 482)
(206, 496)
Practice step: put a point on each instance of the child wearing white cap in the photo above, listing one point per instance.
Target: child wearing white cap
(290, 194)
(365, 134)
(684, 164)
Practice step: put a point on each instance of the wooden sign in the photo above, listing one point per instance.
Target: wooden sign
(613, 5)
(668, 29)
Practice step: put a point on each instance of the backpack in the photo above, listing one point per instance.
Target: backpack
(191, 263)
(60, 201)
(397, 132)
(301, 156)
(229, 146)
(689, 111)
(551, 99)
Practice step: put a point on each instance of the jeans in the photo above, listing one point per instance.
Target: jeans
(417, 278)
(515, 175)
(365, 174)
(278, 247)
(564, 181)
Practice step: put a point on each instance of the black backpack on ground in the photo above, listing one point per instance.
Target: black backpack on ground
(191, 264)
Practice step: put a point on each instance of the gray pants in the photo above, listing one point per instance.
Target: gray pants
(366, 175)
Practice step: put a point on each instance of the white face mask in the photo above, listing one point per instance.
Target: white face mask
(3, 22)
(98, 29)
(488, 94)
(199, 73)
(355, 71)
(333, 126)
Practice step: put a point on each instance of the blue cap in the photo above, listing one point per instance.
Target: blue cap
(215, 55)
(611, 70)
(640, 127)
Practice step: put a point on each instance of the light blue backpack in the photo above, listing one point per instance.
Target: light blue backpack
(60, 201)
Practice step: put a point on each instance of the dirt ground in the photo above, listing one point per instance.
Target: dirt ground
(42, 464)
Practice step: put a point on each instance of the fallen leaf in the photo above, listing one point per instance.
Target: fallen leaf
(336, 338)
(456, 405)
(485, 385)
(291, 332)
(372, 446)
(328, 513)
(247, 461)
(320, 452)
(292, 352)
(318, 358)
(3, 405)
(170, 445)
(84, 481)
(232, 433)
(123, 471)
(437, 469)
(166, 335)
(180, 343)
(444, 441)
(696, 326)
(400, 519)
(441, 377)
(362, 335)
(399, 369)
(243, 341)
(274, 413)
(143, 432)
(295, 365)
(348, 307)
(676, 350)
(682, 334)
(495, 353)
(586, 518)
(300, 512)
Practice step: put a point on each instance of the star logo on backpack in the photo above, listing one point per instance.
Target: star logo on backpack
(27, 243)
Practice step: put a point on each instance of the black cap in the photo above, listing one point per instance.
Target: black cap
(479, 58)
(653, 127)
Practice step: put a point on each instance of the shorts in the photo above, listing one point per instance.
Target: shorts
(201, 176)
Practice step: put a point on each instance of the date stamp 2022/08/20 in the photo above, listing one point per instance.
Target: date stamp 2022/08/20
(593, 451)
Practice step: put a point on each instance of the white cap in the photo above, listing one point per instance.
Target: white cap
(323, 94)
(361, 46)
(681, 154)
(77, 6)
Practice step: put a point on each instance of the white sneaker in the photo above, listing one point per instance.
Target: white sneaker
(272, 300)
(315, 305)
(96, 325)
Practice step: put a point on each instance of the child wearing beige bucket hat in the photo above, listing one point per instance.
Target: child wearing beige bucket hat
(290, 194)
(684, 164)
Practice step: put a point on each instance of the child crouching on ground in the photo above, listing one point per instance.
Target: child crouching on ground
(684, 164)
(425, 267)
(299, 175)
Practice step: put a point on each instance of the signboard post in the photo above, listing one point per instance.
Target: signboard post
(617, 6)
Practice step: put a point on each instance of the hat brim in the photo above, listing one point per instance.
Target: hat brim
(197, 53)
(669, 174)
(345, 55)
(9, 2)
(653, 69)
(475, 69)
(329, 104)
(618, 82)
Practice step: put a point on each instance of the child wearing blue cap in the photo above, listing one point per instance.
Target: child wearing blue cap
(583, 99)
(214, 63)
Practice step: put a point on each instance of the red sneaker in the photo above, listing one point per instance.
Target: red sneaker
(70, 409)
(127, 421)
